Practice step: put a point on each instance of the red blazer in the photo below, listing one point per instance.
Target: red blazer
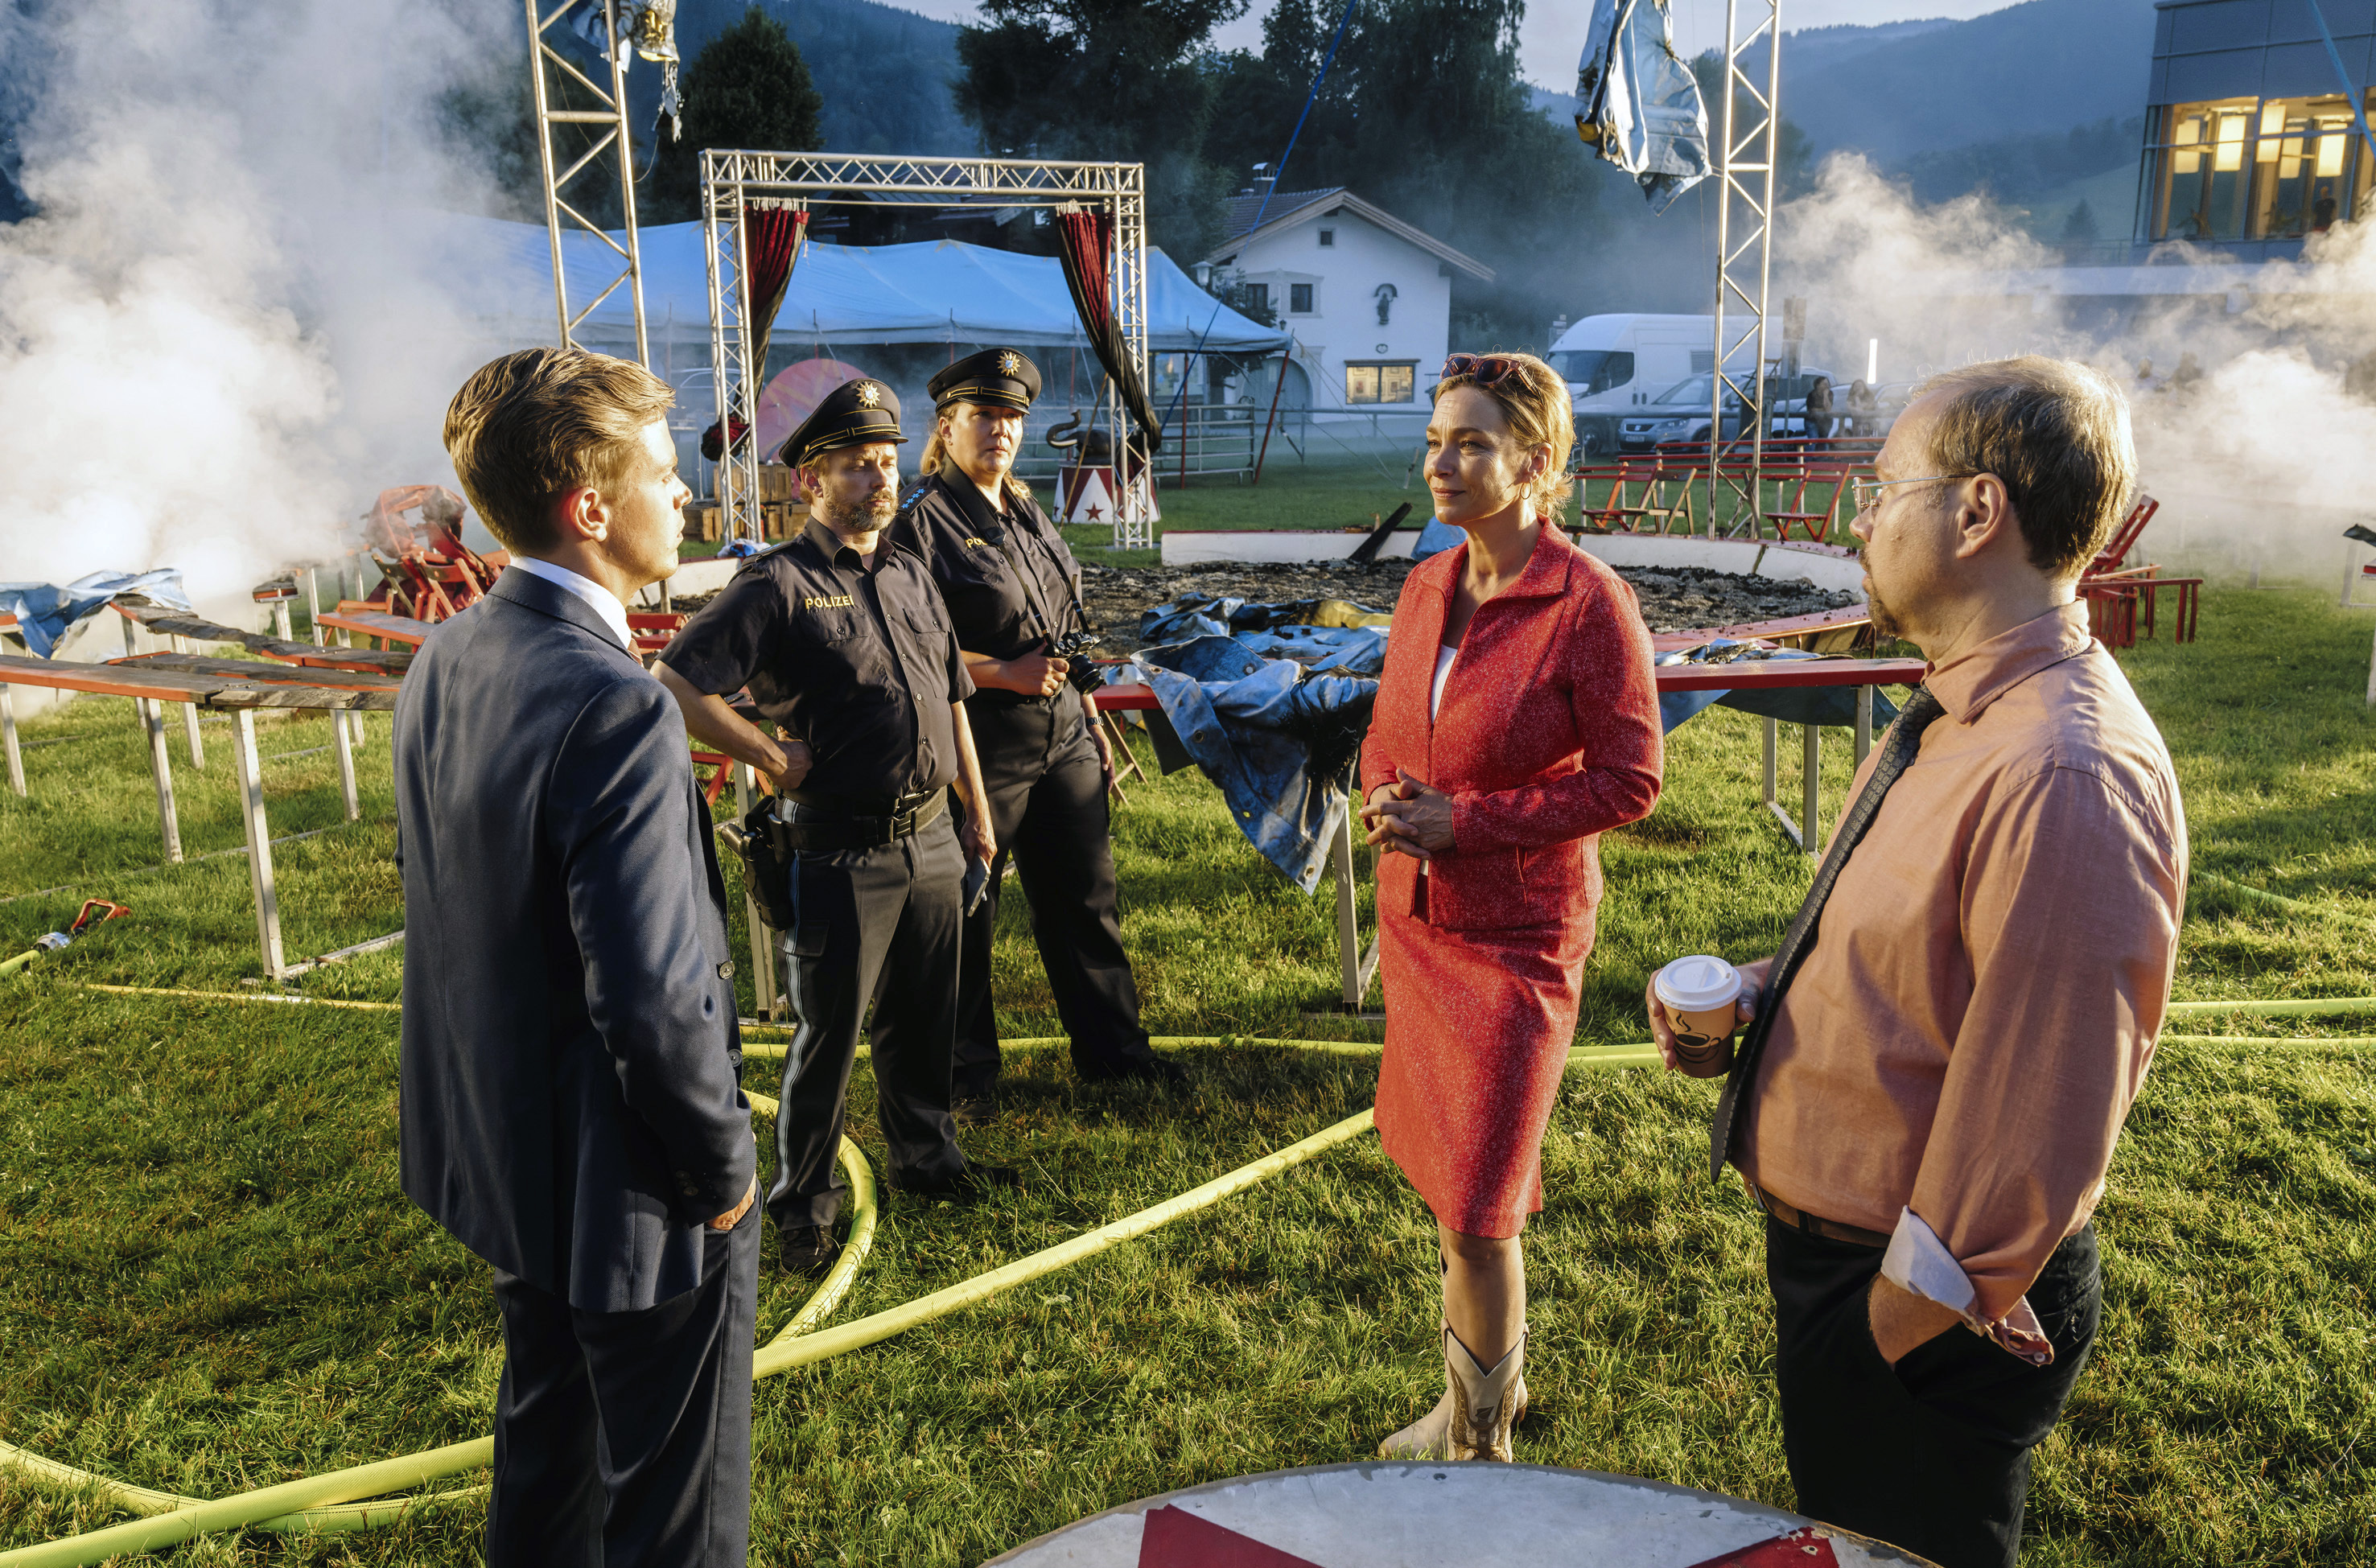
(1549, 734)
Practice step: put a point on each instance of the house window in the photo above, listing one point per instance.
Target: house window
(1376, 381)
(1327, 239)
(1258, 296)
(2257, 168)
(1298, 298)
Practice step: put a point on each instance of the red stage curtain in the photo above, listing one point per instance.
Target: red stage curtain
(1084, 241)
(771, 248)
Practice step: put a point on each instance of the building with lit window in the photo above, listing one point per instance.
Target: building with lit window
(1367, 296)
(2251, 143)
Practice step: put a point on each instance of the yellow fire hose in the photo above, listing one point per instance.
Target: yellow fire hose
(336, 1501)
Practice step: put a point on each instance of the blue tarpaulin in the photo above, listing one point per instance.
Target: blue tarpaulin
(1278, 740)
(45, 611)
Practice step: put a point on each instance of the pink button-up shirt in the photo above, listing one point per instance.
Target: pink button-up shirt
(1979, 1007)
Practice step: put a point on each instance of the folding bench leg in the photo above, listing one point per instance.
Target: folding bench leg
(259, 843)
(8, 735)
(190, 722)
(345, 763)
(1863, 723)
(152, 719)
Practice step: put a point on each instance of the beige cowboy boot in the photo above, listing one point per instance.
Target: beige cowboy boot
(1489, 1402)
(1432, 1436)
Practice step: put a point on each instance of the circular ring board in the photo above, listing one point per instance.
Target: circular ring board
(1404, 1515)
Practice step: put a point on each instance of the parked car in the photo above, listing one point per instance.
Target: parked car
(1681, 412)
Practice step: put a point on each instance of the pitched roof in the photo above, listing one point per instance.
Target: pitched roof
(1289, 209)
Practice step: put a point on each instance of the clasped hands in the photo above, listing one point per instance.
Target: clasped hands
(1409, 816)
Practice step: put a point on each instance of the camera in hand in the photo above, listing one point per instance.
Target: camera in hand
(1072, 648)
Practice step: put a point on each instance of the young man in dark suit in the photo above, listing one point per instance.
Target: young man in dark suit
(570, 1104)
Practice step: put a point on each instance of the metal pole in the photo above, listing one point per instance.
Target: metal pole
(1349, 929)
(190, 720)
(259, 843)
(1743, 268)
(346, 765)
(1863, 723)
(536, 50)
(152, 719)
(627, 181)
(8, 735)
(1810, 782)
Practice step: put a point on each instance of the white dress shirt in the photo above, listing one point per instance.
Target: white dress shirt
(604, 603)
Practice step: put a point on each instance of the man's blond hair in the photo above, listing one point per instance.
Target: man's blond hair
(2055, 433)
(533, 426)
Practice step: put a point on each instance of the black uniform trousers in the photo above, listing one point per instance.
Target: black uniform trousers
(624, 1438)
(1932, 1455)
(875, 926)
(1049, 810)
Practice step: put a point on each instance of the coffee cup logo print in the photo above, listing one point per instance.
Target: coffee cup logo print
(1700, 994)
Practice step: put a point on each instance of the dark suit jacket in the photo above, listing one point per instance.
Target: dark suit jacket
(570, 1108)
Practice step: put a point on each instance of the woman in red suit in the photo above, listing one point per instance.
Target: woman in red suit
(1516, 720)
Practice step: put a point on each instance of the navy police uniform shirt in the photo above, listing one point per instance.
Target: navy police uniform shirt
(853, 655)
(998, 613)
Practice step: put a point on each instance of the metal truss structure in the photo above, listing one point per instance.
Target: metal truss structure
(548, 69)
(734, 183)
(1744, 248)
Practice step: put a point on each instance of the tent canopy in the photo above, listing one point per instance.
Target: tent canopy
(931, 291)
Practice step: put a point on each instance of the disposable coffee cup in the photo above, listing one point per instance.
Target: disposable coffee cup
(1699, 994)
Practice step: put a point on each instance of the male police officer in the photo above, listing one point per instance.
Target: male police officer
(843, 643)
(1011, 587)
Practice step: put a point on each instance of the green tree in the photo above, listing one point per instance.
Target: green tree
(748, 88)
(2079, 228)
(1128, 80)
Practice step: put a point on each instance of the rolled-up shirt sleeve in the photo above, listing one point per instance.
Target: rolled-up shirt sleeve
(725, 642)
(2070, 903)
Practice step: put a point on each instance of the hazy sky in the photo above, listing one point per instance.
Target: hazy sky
(1554, 29)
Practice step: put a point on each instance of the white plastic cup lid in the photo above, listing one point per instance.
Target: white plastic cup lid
(1699, 982)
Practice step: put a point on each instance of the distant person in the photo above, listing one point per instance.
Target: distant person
(1818, 419)
(1012, 587)
(1864, 408)
(568, 1103)
(842, 641)
(1517, 720)
(2187, 376)
(2322, 215)
(1928, 1096)
(2146, 381)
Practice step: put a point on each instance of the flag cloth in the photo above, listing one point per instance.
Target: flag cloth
(1637, 104)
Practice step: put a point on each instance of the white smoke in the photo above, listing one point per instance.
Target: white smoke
(219, 340)
(2258, 462)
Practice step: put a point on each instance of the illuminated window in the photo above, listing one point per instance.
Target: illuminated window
(2259, 169)
(1388, 381)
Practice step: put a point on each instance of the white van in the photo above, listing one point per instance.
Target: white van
(1615, 365)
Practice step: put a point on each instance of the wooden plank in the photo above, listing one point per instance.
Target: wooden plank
(171, 622)
(378, 623)
(1752, 631)
(160, 686)
(245, 671)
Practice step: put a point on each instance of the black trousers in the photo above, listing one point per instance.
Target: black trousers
(1932, 1455)
(1049, 810)
(876, 926)
(624, 1438)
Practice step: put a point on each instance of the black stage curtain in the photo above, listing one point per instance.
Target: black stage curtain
(771, 248)
(1084, 241)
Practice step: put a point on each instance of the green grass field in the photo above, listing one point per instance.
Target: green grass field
(209, 1280)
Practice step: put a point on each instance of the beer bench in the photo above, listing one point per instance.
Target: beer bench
(1356, 966)
(151, 682)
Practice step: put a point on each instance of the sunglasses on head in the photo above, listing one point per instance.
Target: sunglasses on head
(1484, 369)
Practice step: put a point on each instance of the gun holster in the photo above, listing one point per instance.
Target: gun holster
(768, 856)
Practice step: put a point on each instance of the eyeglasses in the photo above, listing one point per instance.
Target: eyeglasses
(1868, 491)
(1484, 369)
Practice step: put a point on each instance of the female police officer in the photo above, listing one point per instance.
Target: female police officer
(1011, 587)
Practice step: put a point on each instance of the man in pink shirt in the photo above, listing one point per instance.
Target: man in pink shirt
(1940, 1056)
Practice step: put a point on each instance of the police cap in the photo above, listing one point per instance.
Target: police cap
(1002, 378)
(853, 414)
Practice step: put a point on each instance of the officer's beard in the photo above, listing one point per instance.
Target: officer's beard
(870, 516)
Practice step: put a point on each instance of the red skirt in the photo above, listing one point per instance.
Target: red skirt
(1479, 1024)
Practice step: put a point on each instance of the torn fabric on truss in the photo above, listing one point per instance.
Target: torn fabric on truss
(1637, 104)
